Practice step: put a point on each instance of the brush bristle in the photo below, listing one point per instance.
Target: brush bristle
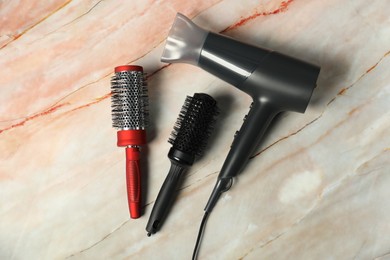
(194, 124)
(129, 100)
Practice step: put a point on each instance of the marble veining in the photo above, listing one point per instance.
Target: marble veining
(316, 188)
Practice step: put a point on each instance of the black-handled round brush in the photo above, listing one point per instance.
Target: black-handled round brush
(189, 138)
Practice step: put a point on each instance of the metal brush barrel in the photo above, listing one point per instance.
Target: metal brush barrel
(129, 100)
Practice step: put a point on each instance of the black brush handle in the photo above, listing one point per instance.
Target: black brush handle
(165, 198)
(188, 139)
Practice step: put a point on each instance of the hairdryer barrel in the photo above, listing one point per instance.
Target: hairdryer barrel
(275, 82)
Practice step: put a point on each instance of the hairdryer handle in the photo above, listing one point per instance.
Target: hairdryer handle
(245, 142)
(133, 181)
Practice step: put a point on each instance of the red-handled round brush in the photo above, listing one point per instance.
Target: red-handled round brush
(129, 115)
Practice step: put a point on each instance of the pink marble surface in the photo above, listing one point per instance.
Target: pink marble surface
(317, 188)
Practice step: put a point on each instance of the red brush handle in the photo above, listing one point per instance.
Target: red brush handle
(132, 139)
(133, 180)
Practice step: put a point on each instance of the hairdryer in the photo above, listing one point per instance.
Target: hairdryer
(275, 82)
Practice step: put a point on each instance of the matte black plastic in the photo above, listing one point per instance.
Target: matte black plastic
(181, 157)
(244, 143)
(275, 82)
(165, 198)
(188, 139)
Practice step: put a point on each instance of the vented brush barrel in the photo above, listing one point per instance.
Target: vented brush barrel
(129, 98)
(129, 116)
(188, 139)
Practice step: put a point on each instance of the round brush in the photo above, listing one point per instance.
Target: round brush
(189, 138)
(129, 115)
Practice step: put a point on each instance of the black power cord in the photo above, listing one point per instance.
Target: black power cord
(200, 235)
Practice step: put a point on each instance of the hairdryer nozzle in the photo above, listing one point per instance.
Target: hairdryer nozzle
(184, 42)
